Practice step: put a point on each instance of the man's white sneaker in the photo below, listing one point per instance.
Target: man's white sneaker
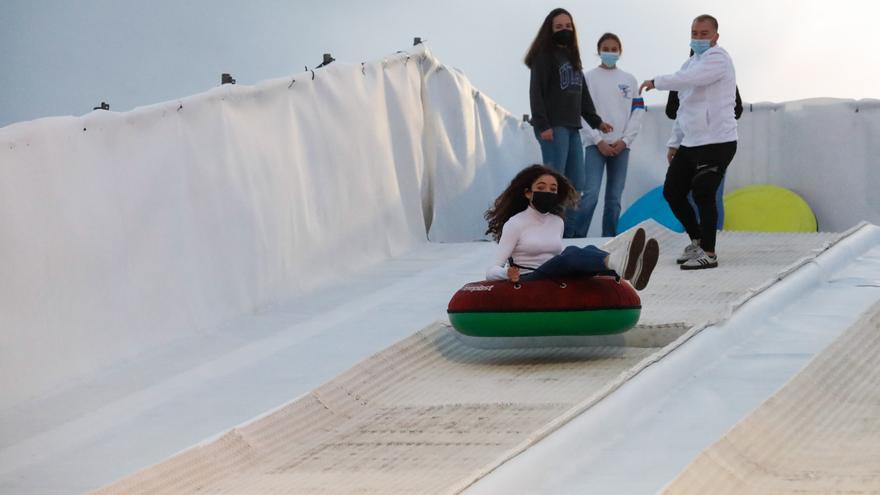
(691, 251)
(701, 262)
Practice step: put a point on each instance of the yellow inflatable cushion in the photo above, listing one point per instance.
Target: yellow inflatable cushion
(767, 208)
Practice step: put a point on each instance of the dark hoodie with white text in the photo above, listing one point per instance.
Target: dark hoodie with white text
(558, 93)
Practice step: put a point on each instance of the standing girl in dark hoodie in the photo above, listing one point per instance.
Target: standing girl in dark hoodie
(559, 98)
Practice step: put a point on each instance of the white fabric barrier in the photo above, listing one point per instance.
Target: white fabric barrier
(823, 149)
(473, 148)
(123, 231)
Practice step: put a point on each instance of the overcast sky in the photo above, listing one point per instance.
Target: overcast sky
(62, 57)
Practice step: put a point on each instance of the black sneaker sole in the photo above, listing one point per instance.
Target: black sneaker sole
(636, 246)
(649, 261)
(713, 264)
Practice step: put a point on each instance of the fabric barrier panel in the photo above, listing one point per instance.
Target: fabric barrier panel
(123, 231)
(822, 149)
(473, 149)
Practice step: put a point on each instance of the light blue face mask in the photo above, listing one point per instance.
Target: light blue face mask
(609, 59)
(700, 46)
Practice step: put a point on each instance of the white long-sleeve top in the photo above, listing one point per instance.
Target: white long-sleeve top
(706, 86)
(615, 94)
(531, 238)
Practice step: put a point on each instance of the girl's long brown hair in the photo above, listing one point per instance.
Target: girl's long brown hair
(513, 199)
(544, 41)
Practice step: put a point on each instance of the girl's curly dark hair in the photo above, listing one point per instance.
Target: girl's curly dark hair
(513, 199)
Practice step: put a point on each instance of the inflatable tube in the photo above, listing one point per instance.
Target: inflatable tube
(651, 205)
(768, 208)
(585, 306)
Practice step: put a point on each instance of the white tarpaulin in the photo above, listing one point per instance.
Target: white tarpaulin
(823, 149)
(119, 232)
(122, 231)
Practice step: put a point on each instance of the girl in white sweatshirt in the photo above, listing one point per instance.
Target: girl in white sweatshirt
(615, 94)
(526, 220)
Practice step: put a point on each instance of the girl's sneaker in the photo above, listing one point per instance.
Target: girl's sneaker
(701, 262)
(646, 264)
(625, 261)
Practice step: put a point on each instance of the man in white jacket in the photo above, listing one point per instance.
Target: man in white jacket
(703, 140)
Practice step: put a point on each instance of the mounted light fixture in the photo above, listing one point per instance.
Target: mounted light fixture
(328, 59)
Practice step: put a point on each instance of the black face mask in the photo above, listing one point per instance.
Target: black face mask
(544, 201)
(564, 37)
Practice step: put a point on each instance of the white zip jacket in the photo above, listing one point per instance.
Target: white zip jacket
(706, 86)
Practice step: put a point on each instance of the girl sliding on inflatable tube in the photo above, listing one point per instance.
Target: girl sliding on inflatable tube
(526, 221)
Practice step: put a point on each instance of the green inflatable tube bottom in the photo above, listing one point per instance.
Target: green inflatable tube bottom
(545, 323)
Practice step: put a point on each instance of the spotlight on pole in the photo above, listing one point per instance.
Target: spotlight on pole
(328, 59)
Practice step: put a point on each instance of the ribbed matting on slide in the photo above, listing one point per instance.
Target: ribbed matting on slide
(415, 418)
(818, 434)
(748, 263)
(433, 415)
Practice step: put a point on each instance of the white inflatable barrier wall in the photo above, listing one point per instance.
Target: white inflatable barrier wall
(120, 232)
(123, 231)
(823, 149)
